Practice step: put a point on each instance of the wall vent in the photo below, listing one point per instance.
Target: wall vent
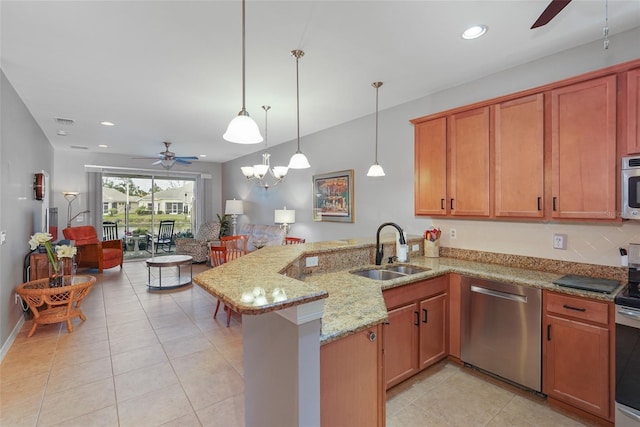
(62, 121)
(79, 147)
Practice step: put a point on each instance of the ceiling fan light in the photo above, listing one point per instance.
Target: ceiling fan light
(474, 32)
(247, 171)
(299, 161)
(167, 163)
(243, 130)
(280, 171)
(375, 170)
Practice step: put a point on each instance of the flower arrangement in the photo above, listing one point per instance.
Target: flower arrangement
(44, 239)
(62, 251)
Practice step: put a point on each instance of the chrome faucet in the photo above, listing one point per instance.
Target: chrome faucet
(379, 248)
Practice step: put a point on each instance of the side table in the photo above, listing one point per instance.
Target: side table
(170, 282)
(62, 303)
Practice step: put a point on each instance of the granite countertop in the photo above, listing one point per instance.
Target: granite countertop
(353, 303)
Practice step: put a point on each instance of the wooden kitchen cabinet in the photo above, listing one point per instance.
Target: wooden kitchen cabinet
(469, 164)
(416, 336)
(583, 150)
(577, 349)
(350, 393)
(519, 157)
(430, 178)
(632, 117)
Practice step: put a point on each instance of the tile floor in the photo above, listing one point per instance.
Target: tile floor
(159, 359)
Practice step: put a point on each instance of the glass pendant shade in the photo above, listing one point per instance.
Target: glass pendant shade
(280, 172)
(247, 171)
(375, 170)
(260, 170)
(243, 130)
(299, 161)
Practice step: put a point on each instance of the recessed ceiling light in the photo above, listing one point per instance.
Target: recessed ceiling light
(202, 155)
(103, 146)
(107, 124)
(61, 133)
(474, 32)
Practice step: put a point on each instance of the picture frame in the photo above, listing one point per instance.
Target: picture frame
(332, 195)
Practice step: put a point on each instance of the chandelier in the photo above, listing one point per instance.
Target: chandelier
(258, 173)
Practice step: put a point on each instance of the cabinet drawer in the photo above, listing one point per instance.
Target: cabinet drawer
(580, 308)
(416, 291)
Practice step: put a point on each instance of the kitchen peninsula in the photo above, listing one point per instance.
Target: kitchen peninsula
(321, 304)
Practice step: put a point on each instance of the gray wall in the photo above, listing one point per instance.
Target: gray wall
(24, 150)
(351, 146)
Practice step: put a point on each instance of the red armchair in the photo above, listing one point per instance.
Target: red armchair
(91, 251)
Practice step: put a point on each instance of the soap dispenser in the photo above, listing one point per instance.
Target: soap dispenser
(402, 251)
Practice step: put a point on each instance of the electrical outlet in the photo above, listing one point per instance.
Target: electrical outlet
(415, 248)
(559, 241)
(312, 261)
(452, 233)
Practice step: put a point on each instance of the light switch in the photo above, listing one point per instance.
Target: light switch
(312, 261)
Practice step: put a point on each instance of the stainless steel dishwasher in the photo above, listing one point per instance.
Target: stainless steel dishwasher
(501, 329)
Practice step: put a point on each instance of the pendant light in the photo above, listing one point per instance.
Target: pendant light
(376, 169)
(243, 129)
(298, 160)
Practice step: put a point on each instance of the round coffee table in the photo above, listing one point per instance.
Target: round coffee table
(169, 282)
(62, 303)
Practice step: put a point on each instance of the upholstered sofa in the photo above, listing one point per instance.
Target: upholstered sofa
(198, 247)
(261, 235)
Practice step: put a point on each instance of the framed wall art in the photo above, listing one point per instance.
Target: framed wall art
(333, 196)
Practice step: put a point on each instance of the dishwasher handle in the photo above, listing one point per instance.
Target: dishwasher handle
(499, 294)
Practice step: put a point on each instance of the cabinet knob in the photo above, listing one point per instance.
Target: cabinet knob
(372, 336)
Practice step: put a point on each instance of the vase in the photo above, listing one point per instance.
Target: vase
(432, 248)
(56, 277)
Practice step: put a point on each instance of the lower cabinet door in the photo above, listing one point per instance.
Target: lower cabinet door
(576, 365)
(352, 391)
(401, 344)
(433, 330)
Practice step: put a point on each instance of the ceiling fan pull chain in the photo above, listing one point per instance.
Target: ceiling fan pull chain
(605, 30)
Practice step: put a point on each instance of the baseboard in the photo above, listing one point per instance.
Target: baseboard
(12, 337)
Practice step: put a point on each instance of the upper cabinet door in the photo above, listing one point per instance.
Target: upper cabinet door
(583, 150)
(469, 156)
(632, 117)
(430, 177)
(519, 157)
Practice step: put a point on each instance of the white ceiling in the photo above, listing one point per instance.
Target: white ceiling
(171, 70)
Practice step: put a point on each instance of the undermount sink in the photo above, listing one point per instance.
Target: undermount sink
(406, 269)
(390, 272)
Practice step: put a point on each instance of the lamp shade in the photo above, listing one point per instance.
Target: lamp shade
(299, 161)
(234, 207)
(375, 170)
(284, 216)
(243, 130)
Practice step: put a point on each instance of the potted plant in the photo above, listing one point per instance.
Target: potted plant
(224, 224)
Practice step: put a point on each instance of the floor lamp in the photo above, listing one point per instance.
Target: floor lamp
(234, 208)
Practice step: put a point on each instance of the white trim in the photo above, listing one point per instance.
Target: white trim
(137, 171)
(12, 337)
(303, 313)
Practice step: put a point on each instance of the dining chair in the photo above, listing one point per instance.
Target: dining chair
(236, 245)
(219, 255)
(293, 240)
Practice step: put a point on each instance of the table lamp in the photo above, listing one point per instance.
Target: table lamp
(285, 218)
(234, 208)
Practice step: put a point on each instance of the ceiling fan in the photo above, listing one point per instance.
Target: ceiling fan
(168, 158)
(550, 12)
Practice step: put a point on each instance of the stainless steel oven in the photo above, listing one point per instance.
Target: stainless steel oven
(630, 183)
(627, 393)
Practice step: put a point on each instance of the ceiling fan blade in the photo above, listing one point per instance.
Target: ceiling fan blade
(186, 157)
(182, 161)
(550, 12)
(157, 162)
